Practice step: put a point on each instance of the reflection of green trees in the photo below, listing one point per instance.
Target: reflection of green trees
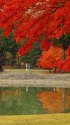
(24, 103)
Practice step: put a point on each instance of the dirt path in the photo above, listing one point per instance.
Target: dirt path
(8, 79)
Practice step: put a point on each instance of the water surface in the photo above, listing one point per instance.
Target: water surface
(34, 100)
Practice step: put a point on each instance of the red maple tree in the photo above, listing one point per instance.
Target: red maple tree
(51, 58)
(30, 19)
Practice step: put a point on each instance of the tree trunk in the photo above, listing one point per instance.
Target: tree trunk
(18, 62)
(63, 54)
(13, 60)
(49, 70)
(63, 57)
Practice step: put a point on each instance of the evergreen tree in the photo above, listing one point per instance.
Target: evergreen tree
(32, 56)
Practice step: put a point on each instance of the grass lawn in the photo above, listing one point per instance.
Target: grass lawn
(43, 71)
(49, 119)
(24, 70)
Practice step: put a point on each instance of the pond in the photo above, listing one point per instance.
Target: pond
(34, 100)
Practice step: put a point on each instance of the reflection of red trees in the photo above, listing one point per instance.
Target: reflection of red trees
(53, 100)
(12, 94)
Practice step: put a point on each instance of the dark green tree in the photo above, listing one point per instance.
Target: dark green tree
(32, 56)
(9, 45)
(63, 42)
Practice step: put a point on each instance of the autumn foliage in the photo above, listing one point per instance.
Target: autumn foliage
(30, 19)
(51, 58)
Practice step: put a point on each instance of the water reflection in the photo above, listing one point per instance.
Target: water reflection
(54, 100)
(32, 100)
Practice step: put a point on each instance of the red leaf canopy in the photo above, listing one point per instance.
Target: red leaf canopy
(32, 18)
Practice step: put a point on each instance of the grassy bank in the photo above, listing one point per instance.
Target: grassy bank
(50, 119)
(28, 71)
